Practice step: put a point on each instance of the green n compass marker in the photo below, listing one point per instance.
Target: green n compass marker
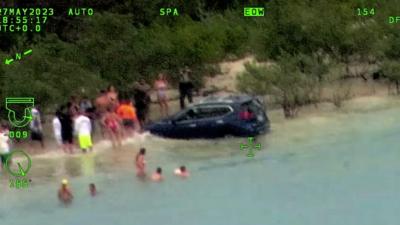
(22, 171)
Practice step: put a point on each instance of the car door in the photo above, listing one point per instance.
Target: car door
(210, 121)
(185, 124)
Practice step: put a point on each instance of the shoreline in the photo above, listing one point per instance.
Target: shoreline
(357, 104)
(358, 90)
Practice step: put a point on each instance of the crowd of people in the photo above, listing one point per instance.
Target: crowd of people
(115, 116)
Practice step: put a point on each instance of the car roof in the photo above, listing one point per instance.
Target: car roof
(228, 99)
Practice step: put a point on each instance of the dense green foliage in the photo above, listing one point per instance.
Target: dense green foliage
(308, 40)
(122, 42)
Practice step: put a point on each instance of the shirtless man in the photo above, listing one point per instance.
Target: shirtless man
(102, 103)
(64, 193)
(140, 163)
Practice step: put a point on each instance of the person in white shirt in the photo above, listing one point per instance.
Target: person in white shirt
(36, 127)
(4, 145)
(57, 128)
(83, 129)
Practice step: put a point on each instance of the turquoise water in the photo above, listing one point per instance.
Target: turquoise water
(326, 168)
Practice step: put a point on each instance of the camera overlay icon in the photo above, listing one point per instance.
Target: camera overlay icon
(15, 104)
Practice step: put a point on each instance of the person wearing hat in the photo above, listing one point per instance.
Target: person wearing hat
(65, 194)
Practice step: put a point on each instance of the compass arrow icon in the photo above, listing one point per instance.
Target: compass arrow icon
(21, 171)
(8, 61)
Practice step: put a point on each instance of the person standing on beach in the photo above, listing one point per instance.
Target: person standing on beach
(140, 163)
(101, 105)
(66, 130)
(88, 109)
(83, 128)
(85, 104)
(161, 86)
(101, 102)
(57, 128)
(127, 113)
(142, 100)
(73, 105)
(112, 96)
(36, 127)
(4, 145)
(185, 87)
(112, 124)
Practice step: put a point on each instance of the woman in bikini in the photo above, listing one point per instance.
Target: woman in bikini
(161, 85)
(112, 123)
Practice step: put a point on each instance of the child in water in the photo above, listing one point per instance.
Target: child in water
(140, 163)
(182, 172)
(157, 175)
(92, 189)
(64, 193)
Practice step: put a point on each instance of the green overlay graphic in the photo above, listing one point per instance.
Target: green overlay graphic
(253, 11)
(20, 170)
(15, 103)
(250, 147)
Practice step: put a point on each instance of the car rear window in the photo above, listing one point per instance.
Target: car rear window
(254, 106)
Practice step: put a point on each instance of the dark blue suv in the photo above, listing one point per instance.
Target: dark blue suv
(214, 117)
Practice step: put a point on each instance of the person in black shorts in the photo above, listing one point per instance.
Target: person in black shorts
(185, 87)
(66, 130)
(142, 101)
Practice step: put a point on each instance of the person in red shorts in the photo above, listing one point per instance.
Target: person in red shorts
(112, 123)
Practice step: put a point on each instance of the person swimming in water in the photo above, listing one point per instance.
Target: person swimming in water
(182, 172)
(157, 176)
(92, 189)
(64, 193)
(140, 163)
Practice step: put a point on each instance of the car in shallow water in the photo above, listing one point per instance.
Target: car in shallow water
(214, 117)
